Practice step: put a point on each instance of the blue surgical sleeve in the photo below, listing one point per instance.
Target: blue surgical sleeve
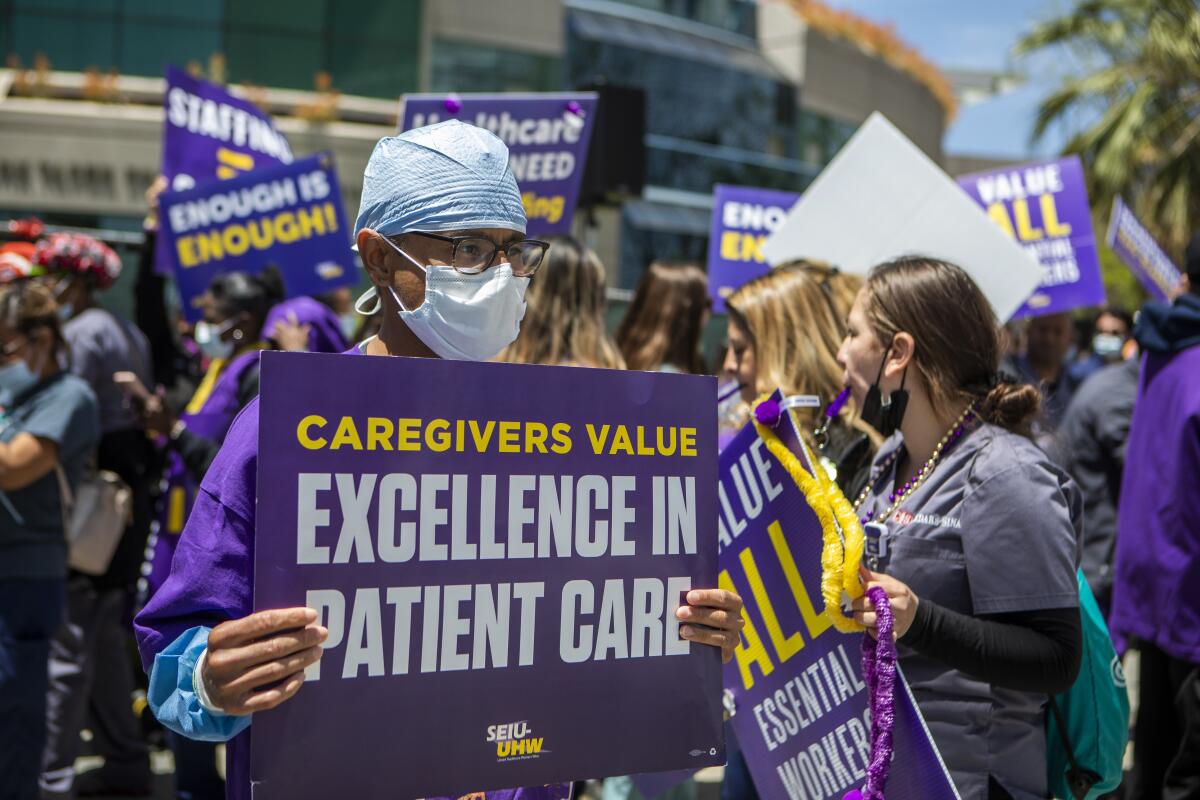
(173, 698)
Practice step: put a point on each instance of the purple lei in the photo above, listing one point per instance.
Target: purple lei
(879, 671)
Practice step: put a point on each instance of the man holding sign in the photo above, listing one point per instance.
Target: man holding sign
(441, 234)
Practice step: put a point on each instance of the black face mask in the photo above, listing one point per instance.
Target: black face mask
(885, 418)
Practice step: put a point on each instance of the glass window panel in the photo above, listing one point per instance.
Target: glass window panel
(158, 11)
(695, 100)
(278, 15)
(71, 47)
(471, 67)
(147, 47)
(373, 70)
(398, 21)
(101, 7)
(273, 59)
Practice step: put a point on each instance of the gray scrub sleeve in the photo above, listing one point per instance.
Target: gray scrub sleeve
(1019, 543)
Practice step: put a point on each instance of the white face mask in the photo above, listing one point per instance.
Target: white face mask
(1107, 345)
(208, 337)
(466, 317)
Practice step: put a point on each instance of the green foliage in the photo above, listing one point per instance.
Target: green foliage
(1144, 92)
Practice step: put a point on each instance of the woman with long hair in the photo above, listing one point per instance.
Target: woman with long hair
(662, 327)
(973, 530)
(564, 320)
(785, 328)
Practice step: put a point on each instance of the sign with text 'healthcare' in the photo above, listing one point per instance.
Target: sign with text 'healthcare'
(1136, 248)
(547, 137)
(742, 219)
(498, 552)
(1044, 207)
(801, 708)
(288, 216)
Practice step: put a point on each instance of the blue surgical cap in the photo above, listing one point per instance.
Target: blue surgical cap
(443, 177)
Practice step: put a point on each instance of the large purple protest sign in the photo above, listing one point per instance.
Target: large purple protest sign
(1044, 206)
(742, 219)
(1136, 248)
(800, 706)
(289, 216)
(210, 134)
(547, 137)
(497, 551)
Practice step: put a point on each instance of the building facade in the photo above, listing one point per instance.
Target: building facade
(737, 91)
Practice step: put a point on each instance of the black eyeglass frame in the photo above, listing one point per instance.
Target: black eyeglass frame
(455, 241)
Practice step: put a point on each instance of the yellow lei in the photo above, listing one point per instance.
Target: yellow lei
(841, 530)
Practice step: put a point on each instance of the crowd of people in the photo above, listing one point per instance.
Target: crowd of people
(991, 461)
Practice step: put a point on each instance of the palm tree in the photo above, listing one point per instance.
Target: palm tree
(1144, 96)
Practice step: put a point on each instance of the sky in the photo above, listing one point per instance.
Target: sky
(980, 35)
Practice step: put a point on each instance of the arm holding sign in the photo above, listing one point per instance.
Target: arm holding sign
(1032, 651)
(198, 632)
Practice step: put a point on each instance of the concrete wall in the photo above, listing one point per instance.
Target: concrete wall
(781, 36)
(842, 81)
(537, 27)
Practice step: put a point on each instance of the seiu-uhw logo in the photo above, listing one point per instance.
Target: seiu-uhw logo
(514, 740)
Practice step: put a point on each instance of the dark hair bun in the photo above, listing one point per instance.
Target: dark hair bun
(1012, 405)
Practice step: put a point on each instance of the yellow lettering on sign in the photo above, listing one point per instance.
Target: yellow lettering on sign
(817, 623)
(999, 215)
(750, 648)
(1054, 228)
(1025, 230)
(787, 647)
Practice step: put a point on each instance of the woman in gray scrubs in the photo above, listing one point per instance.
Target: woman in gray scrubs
(970, 529)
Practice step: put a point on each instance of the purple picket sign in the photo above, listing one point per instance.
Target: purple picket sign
(1044, 206)
(742, 218)
(547, 137)
(800, 705)
(289, 216)
(1136, 248)
(210, 134)
(498, 578)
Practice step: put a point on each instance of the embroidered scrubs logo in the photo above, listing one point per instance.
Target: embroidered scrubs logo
(515, 741)
(904, 517)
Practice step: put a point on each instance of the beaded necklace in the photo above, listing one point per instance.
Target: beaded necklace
(912, 484)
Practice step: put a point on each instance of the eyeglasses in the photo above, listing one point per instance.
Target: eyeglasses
(473, 254)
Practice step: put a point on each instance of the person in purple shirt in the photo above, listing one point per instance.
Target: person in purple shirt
(1156, 588)
(441, 233)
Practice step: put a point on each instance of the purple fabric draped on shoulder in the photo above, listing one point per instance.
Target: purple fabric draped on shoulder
(325, 332)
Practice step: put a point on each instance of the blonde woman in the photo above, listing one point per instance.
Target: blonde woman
(564, 321)
(785, 328)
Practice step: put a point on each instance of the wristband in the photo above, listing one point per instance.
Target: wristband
(198, 687)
